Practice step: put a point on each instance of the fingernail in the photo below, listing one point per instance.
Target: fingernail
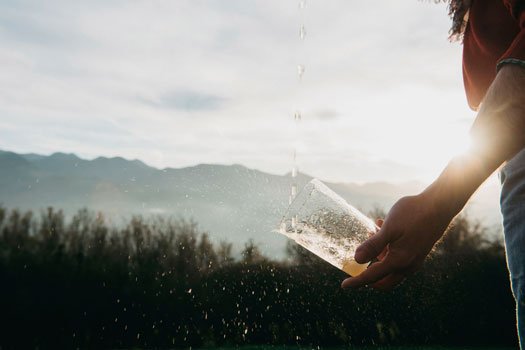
(359, 256)
(347, 284)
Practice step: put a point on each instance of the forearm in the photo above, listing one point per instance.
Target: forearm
(415, 223)
(498, 133)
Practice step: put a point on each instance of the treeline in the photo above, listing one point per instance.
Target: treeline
(160, 283)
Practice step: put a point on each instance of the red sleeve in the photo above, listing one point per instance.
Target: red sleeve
(516, 8)
(516, 52)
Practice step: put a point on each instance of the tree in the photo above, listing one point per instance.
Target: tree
(251, 253)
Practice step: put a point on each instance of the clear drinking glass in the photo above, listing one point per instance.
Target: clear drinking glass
(325, 224)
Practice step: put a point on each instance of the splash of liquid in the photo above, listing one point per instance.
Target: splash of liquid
(339, 254)
(300, 70)
(325, 224)
(302, 32)
(297, 115)
(302, 4)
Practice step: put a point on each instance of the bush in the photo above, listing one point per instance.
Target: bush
(161, 283)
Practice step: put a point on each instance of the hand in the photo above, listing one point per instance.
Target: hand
(408, 234)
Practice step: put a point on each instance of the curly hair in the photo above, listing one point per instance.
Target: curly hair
(458, 10)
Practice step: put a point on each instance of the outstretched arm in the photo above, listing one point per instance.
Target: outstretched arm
(415, 223)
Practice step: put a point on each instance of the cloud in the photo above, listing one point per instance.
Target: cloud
(326, 114)
(188, 101)
(177, 83)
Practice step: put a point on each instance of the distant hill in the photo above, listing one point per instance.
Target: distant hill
(230, 202)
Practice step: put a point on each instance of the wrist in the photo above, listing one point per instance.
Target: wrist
(440, 203)
(459, 180)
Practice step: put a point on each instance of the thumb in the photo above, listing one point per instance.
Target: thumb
(371, 248)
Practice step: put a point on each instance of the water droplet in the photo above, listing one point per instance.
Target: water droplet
(302, 32)
(300, 70)
(297, 116)
(138, 336)
(294, 190)
(302, 4)
(295, 171)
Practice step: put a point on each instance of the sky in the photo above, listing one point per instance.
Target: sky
(177, 83)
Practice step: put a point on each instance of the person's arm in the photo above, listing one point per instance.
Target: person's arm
(415, 223)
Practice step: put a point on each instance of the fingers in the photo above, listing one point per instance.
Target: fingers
(383, 254)
(371, 275)
(389, 281)
(371, 248)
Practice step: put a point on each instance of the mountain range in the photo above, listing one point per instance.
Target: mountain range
(230, 202)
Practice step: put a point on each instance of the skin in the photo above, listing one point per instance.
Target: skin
(415, 223)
